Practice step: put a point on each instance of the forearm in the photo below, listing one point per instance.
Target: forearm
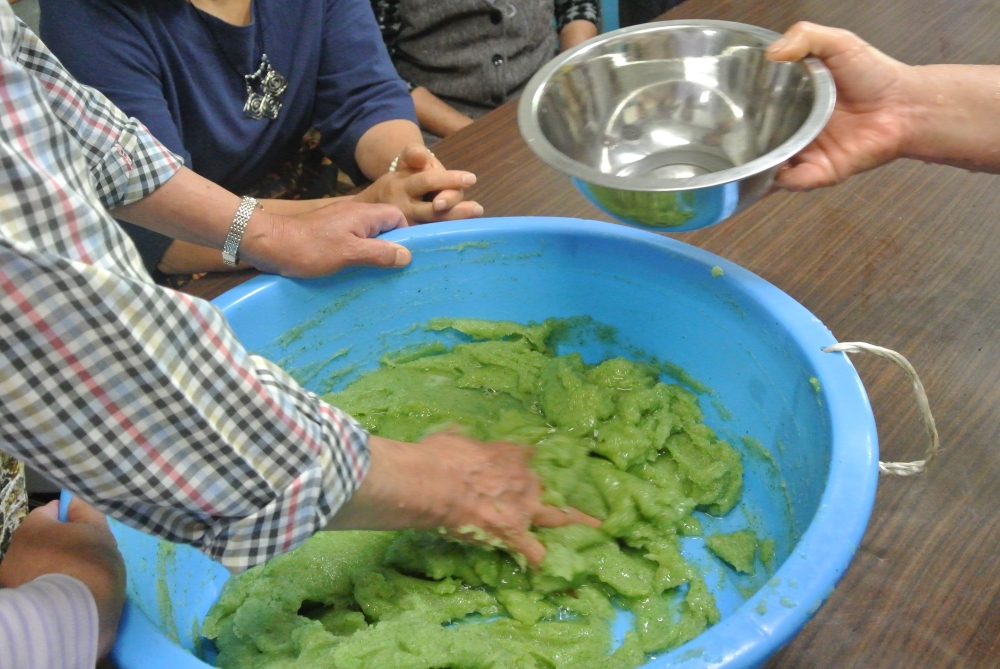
(177, 395)
(437, 116)
(188, 207)
(192, 209)
(952, 116)
(393, 495)
(53, 607)
(381, 143)
(576, 32)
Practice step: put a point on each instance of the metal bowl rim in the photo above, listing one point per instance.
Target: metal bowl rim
(824, 92)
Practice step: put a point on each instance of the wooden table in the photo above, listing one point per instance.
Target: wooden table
(908, 257)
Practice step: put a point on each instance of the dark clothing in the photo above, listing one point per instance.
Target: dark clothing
(631, 12)
(475, 54)
(180, 71)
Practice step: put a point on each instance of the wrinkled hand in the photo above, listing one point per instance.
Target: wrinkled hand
(83, 548)
(325, 240)
(420, 175)
(867, 128)
(458, 483)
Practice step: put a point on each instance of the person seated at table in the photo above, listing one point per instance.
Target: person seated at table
(141, 401)
(233, 86)
(462, 58)
(886, 110)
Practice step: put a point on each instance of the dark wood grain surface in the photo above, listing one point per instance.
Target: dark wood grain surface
(908, 257)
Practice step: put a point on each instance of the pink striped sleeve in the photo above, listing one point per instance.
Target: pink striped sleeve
(49, 623)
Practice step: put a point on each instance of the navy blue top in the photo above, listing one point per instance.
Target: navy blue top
(180, 71)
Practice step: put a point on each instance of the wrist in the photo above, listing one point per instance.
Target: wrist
(914, 110)
(394, 494)
(260, 241)
(371, 194)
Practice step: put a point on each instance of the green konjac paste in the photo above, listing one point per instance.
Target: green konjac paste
(736, 549)
(609, 439)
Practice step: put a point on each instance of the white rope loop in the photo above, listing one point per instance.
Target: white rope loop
(900, 468)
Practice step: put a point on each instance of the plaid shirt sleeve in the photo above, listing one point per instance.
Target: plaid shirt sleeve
(126, 163)
(137, 398)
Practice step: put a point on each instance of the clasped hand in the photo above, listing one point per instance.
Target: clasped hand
(423, 189)
(343, 233)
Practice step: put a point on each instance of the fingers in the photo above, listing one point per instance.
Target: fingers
(811, 168)
(447, 199)
(447, 187)
(78, 512)
(425, 213)
(434, 181)
(551, 516)
(529, 546)
(81, 512)
(466, 209)
(50, 510)
(804, 39)
(42, 516)
(804, 176)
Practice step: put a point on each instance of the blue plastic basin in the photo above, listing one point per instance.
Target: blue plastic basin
(754, 346)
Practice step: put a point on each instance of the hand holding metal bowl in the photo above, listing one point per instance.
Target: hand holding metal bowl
(674, 126)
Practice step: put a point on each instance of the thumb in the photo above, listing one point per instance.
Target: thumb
(374, 219)
(804, 39)
(416, 157)
(380, 253)
(802, 177)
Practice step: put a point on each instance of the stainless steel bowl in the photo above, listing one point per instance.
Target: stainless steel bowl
(675, 125)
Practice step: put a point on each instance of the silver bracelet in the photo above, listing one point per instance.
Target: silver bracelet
(395, 161)
(230, 250)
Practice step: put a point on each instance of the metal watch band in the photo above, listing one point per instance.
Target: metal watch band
(230, 250)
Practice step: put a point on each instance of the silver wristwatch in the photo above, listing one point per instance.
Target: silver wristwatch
(230, 250)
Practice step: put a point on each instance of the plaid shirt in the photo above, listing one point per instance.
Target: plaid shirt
(137, 398)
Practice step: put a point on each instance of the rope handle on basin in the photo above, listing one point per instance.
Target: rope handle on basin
(900, 468)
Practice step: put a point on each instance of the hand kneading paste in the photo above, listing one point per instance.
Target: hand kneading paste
(610, 439)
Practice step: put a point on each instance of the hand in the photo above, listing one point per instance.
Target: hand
(325, 240)
(454, 482)
(418, 174)
(868, 125)
(83, 548)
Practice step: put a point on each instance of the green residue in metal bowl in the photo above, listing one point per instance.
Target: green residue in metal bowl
(661, 209)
